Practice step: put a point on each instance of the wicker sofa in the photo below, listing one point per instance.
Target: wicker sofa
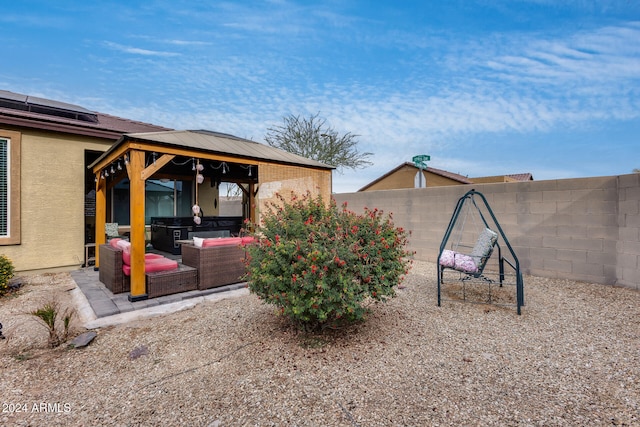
(110, 271)
(158, 283)
(217, 265)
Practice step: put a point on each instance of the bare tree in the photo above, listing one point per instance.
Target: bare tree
(314, 139)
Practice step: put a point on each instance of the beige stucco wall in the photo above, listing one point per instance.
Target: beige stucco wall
(52, 198)
(405, 178)
(209, 198)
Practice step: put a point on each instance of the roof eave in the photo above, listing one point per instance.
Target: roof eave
(53, 126)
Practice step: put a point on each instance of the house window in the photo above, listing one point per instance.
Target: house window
(162, 198)
(5, 179)
(9, 187)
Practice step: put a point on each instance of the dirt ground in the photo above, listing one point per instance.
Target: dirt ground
(572, 358)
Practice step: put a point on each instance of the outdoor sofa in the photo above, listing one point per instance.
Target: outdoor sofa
(219, 261)
(163, 276)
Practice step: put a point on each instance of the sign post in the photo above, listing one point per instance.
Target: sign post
(420, 162)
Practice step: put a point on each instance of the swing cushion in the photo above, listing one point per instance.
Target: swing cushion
(457, 261)
(484, 244)
(473, 263)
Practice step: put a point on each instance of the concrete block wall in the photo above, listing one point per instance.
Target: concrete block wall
(628, 248)
(582, 229)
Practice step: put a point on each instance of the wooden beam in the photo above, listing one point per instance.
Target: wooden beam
(155, 167)
(101, 216)
(112, 157)
(221, 157)
(252, 204)
(136, 168)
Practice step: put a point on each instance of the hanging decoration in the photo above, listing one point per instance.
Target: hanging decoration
(199, 176)
(197, 212)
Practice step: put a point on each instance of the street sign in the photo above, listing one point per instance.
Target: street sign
(420, 160)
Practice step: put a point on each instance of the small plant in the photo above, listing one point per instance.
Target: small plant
(21, 357)
(6, 273)
(49, 315)
(321, 265)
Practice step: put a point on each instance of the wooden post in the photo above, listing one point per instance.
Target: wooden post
(137, 200)
(101, 214)
(252, 203)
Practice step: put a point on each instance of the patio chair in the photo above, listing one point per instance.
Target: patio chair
(111, 231)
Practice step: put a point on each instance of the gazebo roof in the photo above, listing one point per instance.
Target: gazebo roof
(214, 142)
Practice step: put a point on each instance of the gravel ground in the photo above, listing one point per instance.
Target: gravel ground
(572, 358)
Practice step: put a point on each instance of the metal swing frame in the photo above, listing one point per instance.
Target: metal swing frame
(469, 197)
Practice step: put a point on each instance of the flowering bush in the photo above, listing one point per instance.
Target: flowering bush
(320, 265)
(6, 273)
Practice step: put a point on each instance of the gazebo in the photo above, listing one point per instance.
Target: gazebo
(260, 170)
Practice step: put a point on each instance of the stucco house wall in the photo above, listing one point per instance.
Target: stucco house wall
(52, 200)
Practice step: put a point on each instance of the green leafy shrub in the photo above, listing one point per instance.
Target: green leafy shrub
(321, 265)
(6, 273)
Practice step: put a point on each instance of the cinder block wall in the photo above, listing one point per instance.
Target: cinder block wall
(582, 229)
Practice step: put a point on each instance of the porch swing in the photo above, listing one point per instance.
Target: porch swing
(466, 267)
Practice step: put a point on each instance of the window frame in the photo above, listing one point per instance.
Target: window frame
(13, 198)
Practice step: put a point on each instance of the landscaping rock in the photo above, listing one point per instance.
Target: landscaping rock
(83, 340)
(15, 283)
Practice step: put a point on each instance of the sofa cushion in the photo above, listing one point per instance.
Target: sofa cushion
(247, 240)
(153, 265)
(126, 257)
(224, 241)
(197, 241)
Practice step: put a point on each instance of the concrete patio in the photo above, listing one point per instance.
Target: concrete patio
(99, 307)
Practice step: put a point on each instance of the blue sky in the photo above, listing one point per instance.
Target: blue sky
(485, 87)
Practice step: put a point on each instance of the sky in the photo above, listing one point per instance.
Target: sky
(486, 87)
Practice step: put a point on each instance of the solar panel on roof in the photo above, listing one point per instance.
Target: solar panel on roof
(16, 101)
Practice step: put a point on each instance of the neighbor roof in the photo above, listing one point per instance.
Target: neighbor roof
(521, 176)
(216, 142)
(446, 174)
(516, 177)
(40, 113)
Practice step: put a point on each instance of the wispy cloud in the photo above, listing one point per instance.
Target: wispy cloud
(138, 51)
(404, 92)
